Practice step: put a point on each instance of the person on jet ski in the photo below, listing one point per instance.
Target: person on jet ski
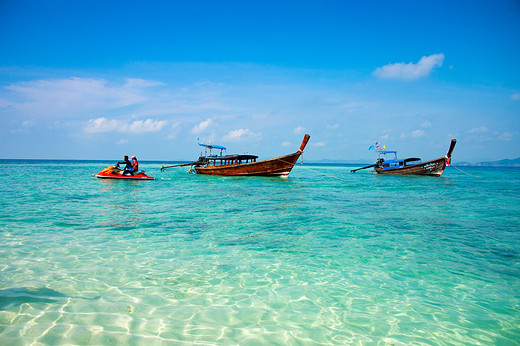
(135, 164)
(128, 164)
(134, 167)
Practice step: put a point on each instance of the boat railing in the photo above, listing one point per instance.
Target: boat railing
(382, 154)
(227, 160)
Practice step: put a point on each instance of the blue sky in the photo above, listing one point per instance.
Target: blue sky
(99, 79)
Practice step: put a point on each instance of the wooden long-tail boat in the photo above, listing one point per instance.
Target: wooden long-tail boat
(411, 166)
(243, 164)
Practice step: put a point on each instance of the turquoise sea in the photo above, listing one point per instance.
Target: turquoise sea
(324, 257)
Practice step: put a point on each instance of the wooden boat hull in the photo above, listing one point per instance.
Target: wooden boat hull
(279, 166)
(433, 167)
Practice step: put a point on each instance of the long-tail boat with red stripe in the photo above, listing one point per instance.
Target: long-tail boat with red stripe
(243, 164)
(411, 166)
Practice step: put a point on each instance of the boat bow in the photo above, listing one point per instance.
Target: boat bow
(304, 142)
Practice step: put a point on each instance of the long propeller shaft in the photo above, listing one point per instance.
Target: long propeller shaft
(354, 170)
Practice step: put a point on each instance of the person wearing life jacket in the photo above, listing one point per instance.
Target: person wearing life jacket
(126, 162)
(134, 167)
(135, 164)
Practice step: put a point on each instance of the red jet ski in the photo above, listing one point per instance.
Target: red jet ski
(114, 172)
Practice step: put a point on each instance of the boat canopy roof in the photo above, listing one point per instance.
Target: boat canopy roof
(387, 152)
(231, 157)
(411, 159)
(210, 146)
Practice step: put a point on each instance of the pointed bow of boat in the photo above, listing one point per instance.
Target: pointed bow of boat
(304, 142)
(452, 146)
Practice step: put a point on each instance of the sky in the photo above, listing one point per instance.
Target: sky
(95, 80)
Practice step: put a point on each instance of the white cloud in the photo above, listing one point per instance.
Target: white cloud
(299, 130)
(200, 127)
(414, 134)
(103, 124)
(332, 127)
(73, 96)
(174, 130)
(28, 123)
(286, 144)
(410, 71)
(481, 129)
(417, 133)
(515, 97)
(426, 124)
(141, 83)
(148, 125)
(319, 144)
(24, 126)
(241, 134)
(350, 107)
(122, 141)
(506, 136)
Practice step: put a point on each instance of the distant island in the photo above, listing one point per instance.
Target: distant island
(499, 163)
(347, 162)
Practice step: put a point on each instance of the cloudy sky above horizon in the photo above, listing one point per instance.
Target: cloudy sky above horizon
(97, 79)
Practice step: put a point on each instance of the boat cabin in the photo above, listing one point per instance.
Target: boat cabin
(395, 163)
(209, 159)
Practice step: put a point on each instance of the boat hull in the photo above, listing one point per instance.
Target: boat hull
(433, 168)
(280, 166)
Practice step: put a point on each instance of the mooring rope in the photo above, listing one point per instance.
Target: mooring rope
(325, 174)
(312, 170)
(471, 175)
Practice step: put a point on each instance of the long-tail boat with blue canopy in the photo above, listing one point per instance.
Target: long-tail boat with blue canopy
(242, 164)
(410, 166)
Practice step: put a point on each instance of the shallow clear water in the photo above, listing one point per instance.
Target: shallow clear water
(323, 257)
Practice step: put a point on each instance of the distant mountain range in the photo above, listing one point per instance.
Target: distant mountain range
(328, 161)
(500, 163)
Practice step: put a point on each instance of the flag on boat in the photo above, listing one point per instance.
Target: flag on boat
(376, 146)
